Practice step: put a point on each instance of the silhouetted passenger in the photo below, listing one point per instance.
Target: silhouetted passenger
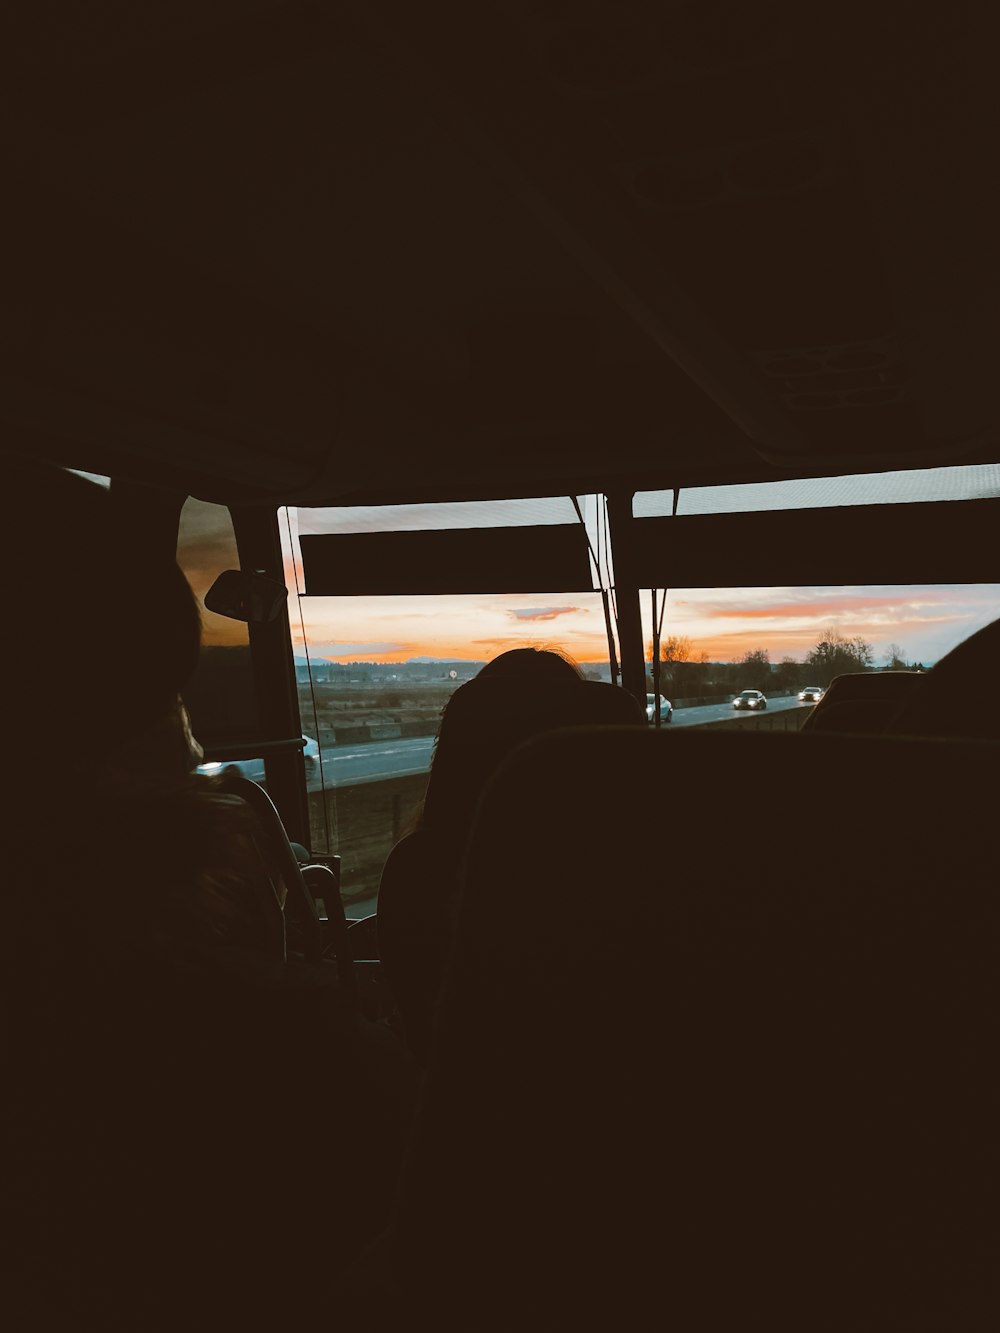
(518, 695)
(530, 664)
(178, 1097)
(479, 727)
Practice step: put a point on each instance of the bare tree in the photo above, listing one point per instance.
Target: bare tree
(754, 669)
(675, 648)
(836, 655)
(789, 675)
(676, 652)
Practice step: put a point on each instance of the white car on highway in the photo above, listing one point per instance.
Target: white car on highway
(254, 768)
(666, 708)
(750, 699)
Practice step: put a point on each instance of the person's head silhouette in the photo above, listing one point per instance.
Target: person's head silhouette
(507, 702)
(109, 626)
(530, 664)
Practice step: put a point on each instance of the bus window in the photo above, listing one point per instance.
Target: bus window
(375, 673)
(901, 543)
(790, 642)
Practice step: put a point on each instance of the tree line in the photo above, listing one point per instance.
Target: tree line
(686, 673)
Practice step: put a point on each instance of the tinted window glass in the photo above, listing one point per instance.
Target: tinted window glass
(720, 643)
(376, 672)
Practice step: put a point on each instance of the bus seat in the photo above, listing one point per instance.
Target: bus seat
(487, 717)
(953, 698)
(853, 716)
(414, 929)
(484, 720)
(719, 1047)
(861, 701)
(179, 1118)
(287, 879)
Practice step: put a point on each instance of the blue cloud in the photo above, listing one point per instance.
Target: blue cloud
(543, 612)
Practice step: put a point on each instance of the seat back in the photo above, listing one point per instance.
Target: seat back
(953, 698)
(855, 717)
(485, 719)
(415, 927)
(708, 1067)
(861, 701)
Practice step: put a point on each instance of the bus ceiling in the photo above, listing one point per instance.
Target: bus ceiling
(358, 254)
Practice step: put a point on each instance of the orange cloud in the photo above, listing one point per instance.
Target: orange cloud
(779, 643)
(377, 652)
(580, 648)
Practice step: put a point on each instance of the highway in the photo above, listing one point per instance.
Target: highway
(345, 766)
(696, 717)
(377, 761)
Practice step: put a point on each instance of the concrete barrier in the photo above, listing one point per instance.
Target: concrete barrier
(355, 735)
(363, 733)
(412, 730)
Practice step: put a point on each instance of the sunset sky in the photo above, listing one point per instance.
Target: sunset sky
(723, 623)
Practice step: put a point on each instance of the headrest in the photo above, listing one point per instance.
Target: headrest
(889, 688)
(494, 705)
(853, 716)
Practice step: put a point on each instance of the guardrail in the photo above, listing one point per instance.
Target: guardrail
(788, 719)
